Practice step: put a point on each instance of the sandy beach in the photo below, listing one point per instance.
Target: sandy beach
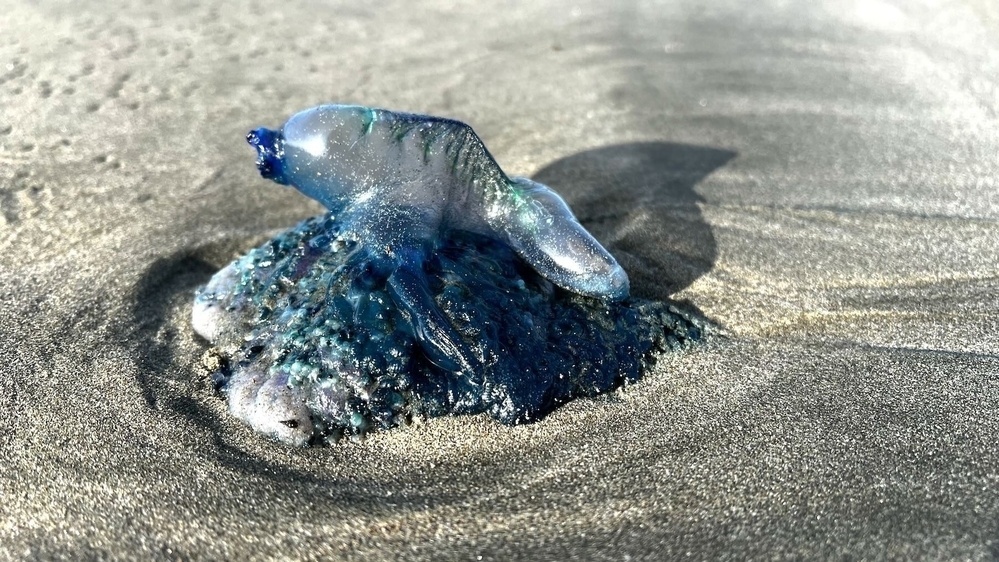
(818, 178)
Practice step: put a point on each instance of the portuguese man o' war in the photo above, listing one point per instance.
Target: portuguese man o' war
(400, 181)
(436, 284)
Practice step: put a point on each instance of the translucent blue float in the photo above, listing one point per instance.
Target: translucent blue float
(435, 285)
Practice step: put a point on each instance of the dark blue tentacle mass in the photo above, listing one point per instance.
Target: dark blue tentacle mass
(333, 329)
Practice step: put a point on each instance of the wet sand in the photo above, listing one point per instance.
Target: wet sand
(818, 178)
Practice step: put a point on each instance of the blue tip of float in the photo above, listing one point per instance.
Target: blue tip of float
(270, 153)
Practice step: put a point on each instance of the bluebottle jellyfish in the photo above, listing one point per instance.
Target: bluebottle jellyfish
(435, 284)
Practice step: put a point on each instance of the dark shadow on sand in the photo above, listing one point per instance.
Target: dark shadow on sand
(640, 200)
(158, 290)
